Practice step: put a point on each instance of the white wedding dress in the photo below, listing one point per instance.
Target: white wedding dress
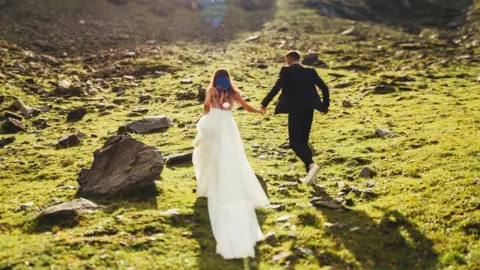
(226, 178)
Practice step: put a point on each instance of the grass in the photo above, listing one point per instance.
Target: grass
(425, 215)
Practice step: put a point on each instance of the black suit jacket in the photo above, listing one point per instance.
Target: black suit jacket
(299, 92)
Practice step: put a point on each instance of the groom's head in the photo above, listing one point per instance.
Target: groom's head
(292, 57)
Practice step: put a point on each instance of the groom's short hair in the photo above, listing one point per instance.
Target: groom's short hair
(293, 54)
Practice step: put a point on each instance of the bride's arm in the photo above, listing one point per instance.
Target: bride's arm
(245, 105)
(208, 101)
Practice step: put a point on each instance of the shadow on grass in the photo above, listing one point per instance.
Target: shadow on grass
(392, 243)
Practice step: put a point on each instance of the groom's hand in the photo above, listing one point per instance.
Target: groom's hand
(263, 109)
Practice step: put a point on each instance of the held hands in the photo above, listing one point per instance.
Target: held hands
(262, 110)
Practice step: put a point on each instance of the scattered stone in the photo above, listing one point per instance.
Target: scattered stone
(185, 158)
(330, 225)
(366, 173)
(8, 114)
(188, 95)
(12, 125)
(270, 237)
(69, 141)
(137, 166)
(384, 133)
(411, 46)
(383, 89)
(305, 251)
(40, 124)
(65, 88)
(170, 212)
(186, 81)
(292, 235)
(321, 203)
(310, 59)
(119, 100)
(349, 202)
(281, 256)
(140, 110)
(252, 38)
(478, 80)
(349, 32)
(69, 209)
(7, 140)
(149, 124)
(77, 114)
(276, 207)
(370, 184)
(346, 103)
(17, 105)
(26, 205)
(145, 97)
(283, 218)
(343, 84)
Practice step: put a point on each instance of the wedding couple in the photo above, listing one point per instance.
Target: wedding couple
(221, 166)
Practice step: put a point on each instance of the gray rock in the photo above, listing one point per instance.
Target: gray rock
(77, 114)
(188, 95)
(321, 203)
(384, 133)
(384, 89)
(140, 110)
(271, 237)
(12, 115)
(145, 97)
(281, 256)
(310, 59)
(69, 209)
(370, 184)
(7, 140)
(12, 125)
(184, 158)
(343, 84)
(186, 81)
(366, 173)
(252, 38)
(122, 165)
(346, 103)
(350, 32)
(276, 207)
(69, 141)
(150, 124)
(65, 88)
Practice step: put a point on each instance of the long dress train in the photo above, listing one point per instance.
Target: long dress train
(226, 178)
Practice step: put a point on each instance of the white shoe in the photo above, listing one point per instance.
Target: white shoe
(312, 175)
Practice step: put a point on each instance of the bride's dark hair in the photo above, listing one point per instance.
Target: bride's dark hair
(226, 89)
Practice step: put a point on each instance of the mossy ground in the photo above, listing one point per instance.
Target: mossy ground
(425, 215)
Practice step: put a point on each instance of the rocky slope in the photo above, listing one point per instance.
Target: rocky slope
(399, 150)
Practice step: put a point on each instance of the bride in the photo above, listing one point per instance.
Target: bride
(224, 174)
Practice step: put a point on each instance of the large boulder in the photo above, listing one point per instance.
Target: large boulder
(122, 165)
(149, 124)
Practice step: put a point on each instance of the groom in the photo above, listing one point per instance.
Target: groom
(299, 99)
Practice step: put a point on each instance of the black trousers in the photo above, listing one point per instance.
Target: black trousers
(299, 126)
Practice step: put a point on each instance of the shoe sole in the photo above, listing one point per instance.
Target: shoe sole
(313, 178)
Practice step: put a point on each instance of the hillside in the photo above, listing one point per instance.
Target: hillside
(399, 150)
